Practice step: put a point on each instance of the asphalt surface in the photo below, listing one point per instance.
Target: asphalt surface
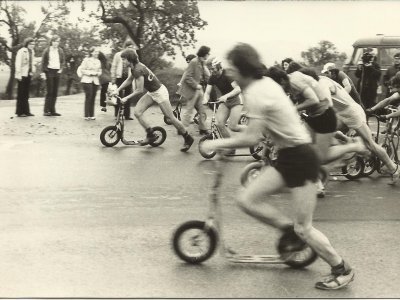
(82, 220)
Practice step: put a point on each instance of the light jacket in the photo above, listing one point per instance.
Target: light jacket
(117, 67)
(193, 77)
(22, 63)
(89, 70)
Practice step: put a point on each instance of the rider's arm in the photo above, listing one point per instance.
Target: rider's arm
(250, 136)
(236, 91)
(139, 88)
(346, 85)
(385, 102)
(310, 97)
(128, 81)
(393, 114)
(207, 93)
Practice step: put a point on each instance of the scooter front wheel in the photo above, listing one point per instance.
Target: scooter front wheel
(250, 172)
(110, 136)
(196, 118)
(203, 153)
(194, 242)
(161, 136)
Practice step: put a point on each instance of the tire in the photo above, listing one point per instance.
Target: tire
(207, 155)
(196, 118)
(161, 134)
(256, 151)
(297, 259)
(250, 172)
(110, 136)
(370, 165)
(354, 168)
(199, 231)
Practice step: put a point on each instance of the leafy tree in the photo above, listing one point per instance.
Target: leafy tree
(157, 27)
(323, 53)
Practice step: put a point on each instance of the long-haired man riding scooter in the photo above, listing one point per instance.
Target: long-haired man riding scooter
(271, 112)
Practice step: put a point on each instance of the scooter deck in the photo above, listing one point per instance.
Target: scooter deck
(257, 259)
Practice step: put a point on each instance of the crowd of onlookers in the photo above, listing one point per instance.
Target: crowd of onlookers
(96, 73)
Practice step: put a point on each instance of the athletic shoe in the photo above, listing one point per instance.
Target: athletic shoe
(92, 118)
(188, 143)
(150, 138)
(336, 281)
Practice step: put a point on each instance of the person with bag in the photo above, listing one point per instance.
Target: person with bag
(24, 69)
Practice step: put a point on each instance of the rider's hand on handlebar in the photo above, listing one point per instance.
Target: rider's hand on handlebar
(383, 118)
(369, 111)
(222, 98)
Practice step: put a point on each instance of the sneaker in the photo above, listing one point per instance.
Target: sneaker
(47, 114)
(87, 118)
(30, 115)
(92, 118)
(104, 109)
(56, 114)
(336, 281)
(188, 143)
(22, 115)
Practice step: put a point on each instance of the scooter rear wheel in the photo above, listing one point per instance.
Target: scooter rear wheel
(194, 242)
(256, 151)
(110, 136)
(296, 259)
(161, 136)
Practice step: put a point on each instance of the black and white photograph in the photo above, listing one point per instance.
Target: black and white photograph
(178, 149)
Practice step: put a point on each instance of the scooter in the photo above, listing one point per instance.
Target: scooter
(177, 113)
(111, 135)
(215, 133)
(196, 241)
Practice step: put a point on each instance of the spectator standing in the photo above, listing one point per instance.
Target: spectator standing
(105, 79)
(341, 77)
(193, 84)
(391, 71)
(285, 63)
(90, 71)
(119, 73)
(369, 73)
(52, 64)
(24, 69)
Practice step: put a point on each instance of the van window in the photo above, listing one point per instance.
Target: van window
(387, 55)
(356, 59)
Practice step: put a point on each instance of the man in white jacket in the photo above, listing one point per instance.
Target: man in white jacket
(24, 69)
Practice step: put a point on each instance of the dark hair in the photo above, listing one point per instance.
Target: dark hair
(395, 81)
(27, 41)
(190, 57)
(246, 59)
(203, 51)
(310, 72)
(103, 59)
(280, 77)
(286, 60)
(54, 38)
(397, 55)
(128, 43)
(293, 67)
(130, 55)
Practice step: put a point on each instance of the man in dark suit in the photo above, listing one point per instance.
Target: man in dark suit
(192, 89)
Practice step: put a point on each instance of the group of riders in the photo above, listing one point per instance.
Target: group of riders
(299, 110)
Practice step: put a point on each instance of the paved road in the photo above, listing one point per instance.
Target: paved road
(82, 220)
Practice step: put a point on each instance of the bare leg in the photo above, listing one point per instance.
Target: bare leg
(234, 117)
(166, 109)
(222, 117)
(304, 204)
(143, 104)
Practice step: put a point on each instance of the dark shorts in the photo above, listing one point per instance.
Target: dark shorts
(232, 102)
(298, 164)
(324, 123)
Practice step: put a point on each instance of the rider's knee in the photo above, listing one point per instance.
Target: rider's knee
(137, 114)
(303, 230)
